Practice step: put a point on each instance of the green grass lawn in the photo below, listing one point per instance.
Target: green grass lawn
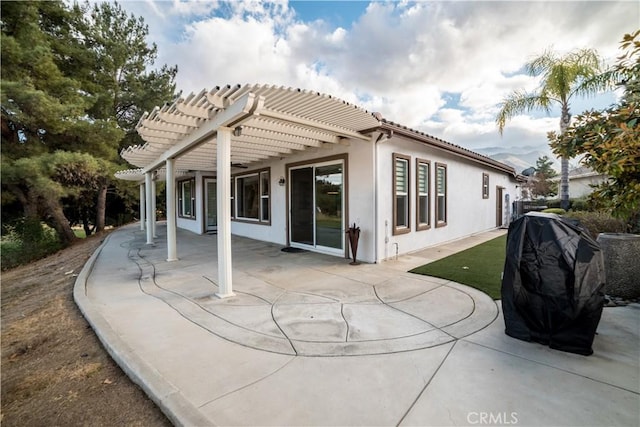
(479, 267)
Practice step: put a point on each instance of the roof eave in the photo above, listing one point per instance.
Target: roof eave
(446, 146)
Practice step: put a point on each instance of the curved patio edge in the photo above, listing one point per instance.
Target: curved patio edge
(176, 408)
(451, 358)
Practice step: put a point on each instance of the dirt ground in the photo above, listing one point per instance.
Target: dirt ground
(54, 370)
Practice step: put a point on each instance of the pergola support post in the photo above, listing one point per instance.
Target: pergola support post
(149, 206)
(153, 204)
(142, 206)
(225, 288)
(171, 211)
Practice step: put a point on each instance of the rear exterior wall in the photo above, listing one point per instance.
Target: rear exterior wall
(467, 211)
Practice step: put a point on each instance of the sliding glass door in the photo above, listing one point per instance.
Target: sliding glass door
(317, 206)
(302, 206)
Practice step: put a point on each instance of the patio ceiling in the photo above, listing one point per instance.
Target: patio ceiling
(268, 122)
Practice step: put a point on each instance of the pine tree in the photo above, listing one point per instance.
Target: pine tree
(73, 86)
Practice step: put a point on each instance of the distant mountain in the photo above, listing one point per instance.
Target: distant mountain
(520, 158)
(489, 151)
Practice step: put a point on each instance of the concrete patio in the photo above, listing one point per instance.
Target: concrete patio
(311, 340)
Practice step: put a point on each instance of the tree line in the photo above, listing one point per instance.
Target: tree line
(75, 79)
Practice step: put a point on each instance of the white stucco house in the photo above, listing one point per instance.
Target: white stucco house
(582, 180)
(296, 168)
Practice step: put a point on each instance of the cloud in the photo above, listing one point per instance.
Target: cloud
(402, 59)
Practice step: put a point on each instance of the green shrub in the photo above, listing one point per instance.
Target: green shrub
(558, 211)
(553, 203)
(10, 253)
(579, 205)
(25, 241)
(598, 222)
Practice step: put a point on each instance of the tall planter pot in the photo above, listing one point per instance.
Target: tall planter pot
(354, 236)
(621, 253)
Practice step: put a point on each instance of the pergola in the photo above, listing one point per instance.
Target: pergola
(233, 125)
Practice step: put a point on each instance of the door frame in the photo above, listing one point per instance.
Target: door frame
(345, 197)
(499, 206)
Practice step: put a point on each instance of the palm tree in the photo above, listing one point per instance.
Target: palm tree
(563, 77)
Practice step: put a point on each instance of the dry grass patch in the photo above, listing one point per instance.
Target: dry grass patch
(54, 370)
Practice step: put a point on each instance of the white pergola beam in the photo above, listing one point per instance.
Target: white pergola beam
(145, 131)
(217, 101)
(179, 119)
(279, 136)
(244, 147)
(287, 128)
(189, 110)
(323, 127)
(165, 127)
(278, 143)
(237, 112)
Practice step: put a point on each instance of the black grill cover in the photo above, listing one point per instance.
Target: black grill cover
(552, 287)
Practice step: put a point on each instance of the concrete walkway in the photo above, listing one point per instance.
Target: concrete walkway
(311, 340)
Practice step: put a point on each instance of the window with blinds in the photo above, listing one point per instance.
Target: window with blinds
(401, 193)
(423, 220)
(441, 194)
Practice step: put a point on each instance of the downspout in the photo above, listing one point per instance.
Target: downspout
(376, 206)
(375, 198)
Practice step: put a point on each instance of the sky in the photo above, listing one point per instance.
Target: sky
(434, 66)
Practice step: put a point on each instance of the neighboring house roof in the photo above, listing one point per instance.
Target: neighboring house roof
(268, 122)
(583, 172)
(580, 173)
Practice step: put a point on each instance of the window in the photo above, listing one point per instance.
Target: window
(485, 185)
(423, 220)
(248, 188)
(186, 198)
(401, 194)
(441, 194)
(250, 197)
